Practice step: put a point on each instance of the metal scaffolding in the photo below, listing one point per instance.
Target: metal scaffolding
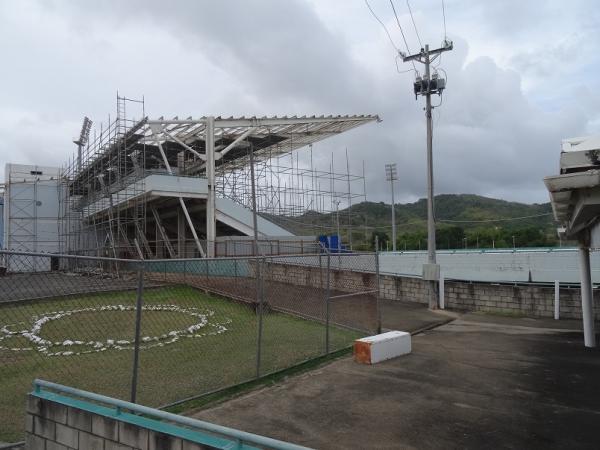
(149, 188)
(103, 212)
(294, 192)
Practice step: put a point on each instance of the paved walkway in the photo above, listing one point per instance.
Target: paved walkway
(478, 382)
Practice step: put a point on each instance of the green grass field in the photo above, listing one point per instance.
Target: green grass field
(86, 343)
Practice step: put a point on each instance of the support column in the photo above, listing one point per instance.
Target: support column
(181, 233)
(211, 221)
(587, 299)
(159, 242)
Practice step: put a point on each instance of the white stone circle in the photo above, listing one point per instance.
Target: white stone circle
(45, 346)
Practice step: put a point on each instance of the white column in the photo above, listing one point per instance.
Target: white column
(556, 300)
(587, 307)
(211, 221)
(441, 287)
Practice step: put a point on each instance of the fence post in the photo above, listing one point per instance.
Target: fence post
(138, 327)
(259, 307)
(556, 299)
(320, 268)
(207, 268)
(184, 271)
(377, 305)
(327, 301)
(441, 291)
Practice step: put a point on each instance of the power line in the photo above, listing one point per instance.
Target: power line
(402, 33)
(416, 221)
(495, 220)
(383, 25)
(398, 68)
(444, 14)
(399, 26)
(414, 24)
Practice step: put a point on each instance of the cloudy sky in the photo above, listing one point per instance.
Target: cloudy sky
(523, 75)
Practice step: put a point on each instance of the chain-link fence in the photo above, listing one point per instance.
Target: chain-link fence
(162, 331)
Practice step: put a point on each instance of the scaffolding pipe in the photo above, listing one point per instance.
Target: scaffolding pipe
(211, 221)
(182, 203)
(184, 145)
(234, 143)
(191, 224)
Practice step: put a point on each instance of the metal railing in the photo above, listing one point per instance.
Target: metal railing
(122, 327)
(236, 437)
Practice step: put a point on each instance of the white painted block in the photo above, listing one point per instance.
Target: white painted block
(374, 349)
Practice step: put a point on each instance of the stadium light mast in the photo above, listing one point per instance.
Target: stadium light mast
(391, 175)
(83, 139)
(425, 86)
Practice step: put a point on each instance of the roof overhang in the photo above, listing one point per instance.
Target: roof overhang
(575, 193)
(575, 200)
(269, 137)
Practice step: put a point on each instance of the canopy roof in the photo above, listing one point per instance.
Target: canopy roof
(575, 193)
(269, 136)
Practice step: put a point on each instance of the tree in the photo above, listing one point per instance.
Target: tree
(449, 236)
(382, 236)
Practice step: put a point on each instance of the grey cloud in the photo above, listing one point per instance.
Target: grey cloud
(279, 48)
(273, 57)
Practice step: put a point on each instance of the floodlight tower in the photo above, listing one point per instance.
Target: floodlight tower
(425, 86)
(391, 175)
(83, 139)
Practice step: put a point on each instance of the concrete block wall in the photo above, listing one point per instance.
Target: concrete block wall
(54, 426)
(529, 300)
(340, 280)
(526, 299)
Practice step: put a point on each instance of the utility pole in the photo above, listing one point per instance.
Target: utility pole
(391, 175)
(430, 84)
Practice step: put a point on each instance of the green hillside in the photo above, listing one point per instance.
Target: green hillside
(464, 219)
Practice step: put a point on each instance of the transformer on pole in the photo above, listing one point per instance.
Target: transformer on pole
(425, 86)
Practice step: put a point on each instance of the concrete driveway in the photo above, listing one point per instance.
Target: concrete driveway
(477, 382)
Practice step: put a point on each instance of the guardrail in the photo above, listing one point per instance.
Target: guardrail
(117, 410)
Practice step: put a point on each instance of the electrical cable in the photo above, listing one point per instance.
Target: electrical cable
(444, 14)
(383, 25)
(414, 24)
(403, 71)
(402, 32)
(495, 220)
(439, 58)
(414, 222)
(400, 26)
